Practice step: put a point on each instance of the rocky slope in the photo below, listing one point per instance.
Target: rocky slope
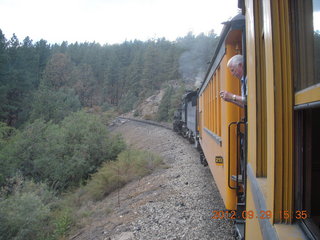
(172, 203)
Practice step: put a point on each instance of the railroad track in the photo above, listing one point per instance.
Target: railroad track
(145, 121)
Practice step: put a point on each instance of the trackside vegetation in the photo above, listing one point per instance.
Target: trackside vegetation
(130, 165)
(79, 162)
(61, 155)
(56, 101)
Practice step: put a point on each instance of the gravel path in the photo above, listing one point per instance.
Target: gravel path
(171, 203)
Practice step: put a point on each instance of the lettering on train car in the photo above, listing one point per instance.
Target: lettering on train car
(219, 160)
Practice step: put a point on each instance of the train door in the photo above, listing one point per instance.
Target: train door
(307, 115)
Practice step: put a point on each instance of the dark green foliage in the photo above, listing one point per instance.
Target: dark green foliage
(128, 102)
(164, 107)
(5, 167)
(84, 83)
(22, 217)
(62, 155)
(21, 65)
(169, 103)
(5, 133)
(119, 75)
(53, 105)
(25, 213)
(58, 71)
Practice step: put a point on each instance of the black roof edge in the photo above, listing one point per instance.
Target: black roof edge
(190, 94)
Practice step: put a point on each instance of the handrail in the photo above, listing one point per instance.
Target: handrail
(229, 127)
(237, 154)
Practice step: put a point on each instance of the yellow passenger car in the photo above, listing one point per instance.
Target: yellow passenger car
(218, 140)
(278, 197)
(283, 157)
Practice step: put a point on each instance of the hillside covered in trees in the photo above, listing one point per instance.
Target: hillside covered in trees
(53, 151)
(41, 80)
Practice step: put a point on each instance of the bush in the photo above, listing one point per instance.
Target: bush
(169, 103)
(163, 111)
(25, 214)
(53, 105)
(62, 222)
(106, 107)
(128, 102)
(22, 217)
(6, 133)
(108, 116)
(130, 165)
(136, 113)
(62, 155)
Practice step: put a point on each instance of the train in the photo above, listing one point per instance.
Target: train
(264, 157)
(184, 119)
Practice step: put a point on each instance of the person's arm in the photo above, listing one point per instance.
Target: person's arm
(233, 98)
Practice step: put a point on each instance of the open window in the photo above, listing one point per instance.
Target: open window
(306, 34)
(308, 169)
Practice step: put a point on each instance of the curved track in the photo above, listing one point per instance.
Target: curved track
(146, 121)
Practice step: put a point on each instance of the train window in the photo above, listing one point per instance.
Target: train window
(308, 169)
(212, 106)
(307, 49)
(306, 33)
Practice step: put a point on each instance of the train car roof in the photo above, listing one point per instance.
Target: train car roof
(237, 22)
(190, 94)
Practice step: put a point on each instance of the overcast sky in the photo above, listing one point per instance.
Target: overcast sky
(112, 21)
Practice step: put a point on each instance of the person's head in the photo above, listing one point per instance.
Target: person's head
(235, 64)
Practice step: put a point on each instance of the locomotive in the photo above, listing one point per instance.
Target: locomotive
(264, 157)
(184, 119)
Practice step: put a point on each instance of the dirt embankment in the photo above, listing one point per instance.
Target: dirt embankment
(171, 203)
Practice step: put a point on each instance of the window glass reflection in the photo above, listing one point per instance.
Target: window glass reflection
(316, 15)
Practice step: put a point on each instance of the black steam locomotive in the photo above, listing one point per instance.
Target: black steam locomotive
(184, 121)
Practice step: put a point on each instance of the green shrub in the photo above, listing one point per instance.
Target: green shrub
(6, 134)
(128, 102)
(163, 111)
(108, 116)
(169, 103)
(51, 105)
(130, 165)
(106, 107)
(62, 223)
(25, 213)
(136, 113)
(62, 155)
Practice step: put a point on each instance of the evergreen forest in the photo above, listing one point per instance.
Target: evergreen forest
(41, 80)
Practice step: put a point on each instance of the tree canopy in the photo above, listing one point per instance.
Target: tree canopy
(118, 75)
